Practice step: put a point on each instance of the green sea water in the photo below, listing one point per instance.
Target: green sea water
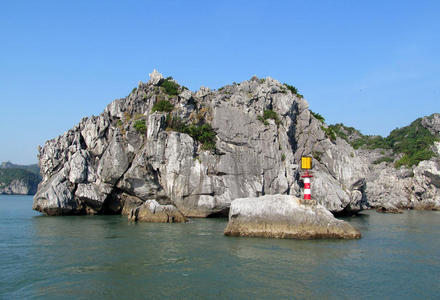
(107, 257)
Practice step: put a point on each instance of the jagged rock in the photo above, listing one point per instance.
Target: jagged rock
(92, 196)
(384, 187)
(129, 202)
(281, 216)
(152, 211)
(18, 179)
(186, 95)
(104, 160)
(55, 196)
(426, 185)
(78, 167)
(339, 174)
(432, 123)
(18, 187)
(155, 77)
(114, 161)
(93, 134)
(203, 92)
(413, 188)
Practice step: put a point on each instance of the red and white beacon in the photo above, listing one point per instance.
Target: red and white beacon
(306, 164)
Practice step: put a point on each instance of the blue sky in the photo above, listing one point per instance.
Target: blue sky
(374, 65)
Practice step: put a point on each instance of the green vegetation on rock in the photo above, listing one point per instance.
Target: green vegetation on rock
(201, 132)
(8, 175)
(370, 142)
(317, 116)
(387, 159)
(175, 123)
(329, 133)
(163, 106)
(170, 86)
(413, 141)
(317, 155)
(261, 118)
(343, 131)
(269, 114)
(31, 168)
(293, 89)
(140, 126)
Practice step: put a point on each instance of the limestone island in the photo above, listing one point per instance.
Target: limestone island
(165, 153)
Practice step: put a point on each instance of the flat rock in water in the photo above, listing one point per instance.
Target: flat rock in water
(283, 216)
(152, 211)
(389, 209)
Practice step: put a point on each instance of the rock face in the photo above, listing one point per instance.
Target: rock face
(413, 188)
(18, 187)
(109, 164)
(282, 216)
(388, 209)
(152, 211)
(17, 181)
(30, 168)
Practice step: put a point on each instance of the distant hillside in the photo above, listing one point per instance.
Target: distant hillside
(31, 168)
(408, 145)
(19, 179)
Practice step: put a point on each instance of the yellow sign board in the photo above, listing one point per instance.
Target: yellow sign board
(306, 162)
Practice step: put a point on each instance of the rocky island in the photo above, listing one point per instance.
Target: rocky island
(198, 151)
(19, 179)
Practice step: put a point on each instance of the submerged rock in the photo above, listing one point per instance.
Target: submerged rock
(152, 211)
(281, 216)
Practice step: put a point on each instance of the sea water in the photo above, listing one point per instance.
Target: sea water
(108, 257)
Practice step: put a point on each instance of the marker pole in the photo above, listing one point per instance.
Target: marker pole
(307, 190)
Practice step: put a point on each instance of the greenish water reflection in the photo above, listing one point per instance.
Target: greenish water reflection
(106, 257)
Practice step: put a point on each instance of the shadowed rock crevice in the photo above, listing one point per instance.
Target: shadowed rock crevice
(219, 214)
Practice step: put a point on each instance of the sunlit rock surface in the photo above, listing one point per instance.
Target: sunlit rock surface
(107, 164)
(283, 216)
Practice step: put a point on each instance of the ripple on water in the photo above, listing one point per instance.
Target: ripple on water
(107, 257)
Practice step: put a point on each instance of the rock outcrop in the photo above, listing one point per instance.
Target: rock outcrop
(200, 151)
(17, 181)
(389, 209)
(18, 187)
(391, 185)
(283, 216)
(417, 187)
(152, 211)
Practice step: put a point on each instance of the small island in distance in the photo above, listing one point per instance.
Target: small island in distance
(19, 179)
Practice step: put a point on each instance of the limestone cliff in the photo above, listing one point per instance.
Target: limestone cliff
(403, 168)
(197, 151)
(17, 181)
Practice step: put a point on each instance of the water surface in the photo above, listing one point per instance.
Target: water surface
(107, 257)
